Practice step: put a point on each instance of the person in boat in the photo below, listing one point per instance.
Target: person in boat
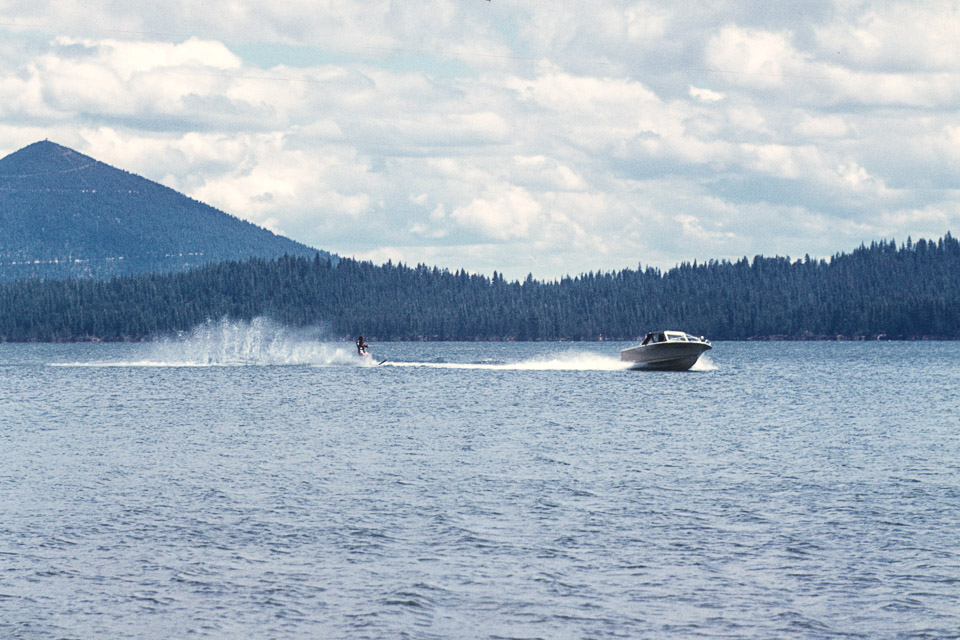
(361, 346)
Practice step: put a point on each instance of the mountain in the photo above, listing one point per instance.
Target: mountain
(67, 215)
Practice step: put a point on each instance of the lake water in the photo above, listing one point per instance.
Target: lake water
(250, 482)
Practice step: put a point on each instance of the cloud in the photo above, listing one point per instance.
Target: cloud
(904, 36)
(510, 136)
(828, 126)
(510, 213)
(752, 57)
(705, 95)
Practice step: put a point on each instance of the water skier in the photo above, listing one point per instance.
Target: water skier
(361, 346)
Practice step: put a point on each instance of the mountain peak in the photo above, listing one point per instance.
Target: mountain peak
(65, 214)
(41, 158)
(44, 146)
(41, 147)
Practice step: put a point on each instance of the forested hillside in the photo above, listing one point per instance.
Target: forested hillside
(908, 292)
(66, 215)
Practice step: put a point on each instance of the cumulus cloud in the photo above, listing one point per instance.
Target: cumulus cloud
(512, 136)
(752, 57)
(705, 95)
(510, 213)
(904, 36)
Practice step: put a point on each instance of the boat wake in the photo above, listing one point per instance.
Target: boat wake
(565, 362)
(230, 343)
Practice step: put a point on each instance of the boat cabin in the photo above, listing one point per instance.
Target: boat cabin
(670, 336)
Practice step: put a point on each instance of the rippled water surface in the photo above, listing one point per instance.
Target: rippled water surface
(245, 482)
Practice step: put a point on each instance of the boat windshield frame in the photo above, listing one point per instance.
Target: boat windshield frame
(659, 337)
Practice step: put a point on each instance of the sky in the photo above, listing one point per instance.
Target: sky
(524, 137)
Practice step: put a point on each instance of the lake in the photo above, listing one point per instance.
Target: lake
(251, 481)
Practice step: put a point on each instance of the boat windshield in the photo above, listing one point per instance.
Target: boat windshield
(671, 336)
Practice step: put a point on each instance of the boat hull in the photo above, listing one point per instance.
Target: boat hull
(665, 356)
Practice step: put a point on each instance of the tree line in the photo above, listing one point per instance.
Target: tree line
(876, 291)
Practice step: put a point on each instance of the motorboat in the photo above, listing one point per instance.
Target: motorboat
(666, 351)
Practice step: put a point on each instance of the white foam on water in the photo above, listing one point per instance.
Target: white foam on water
(131, 363)
(566, 362)
(230, 343)
(704, 363)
